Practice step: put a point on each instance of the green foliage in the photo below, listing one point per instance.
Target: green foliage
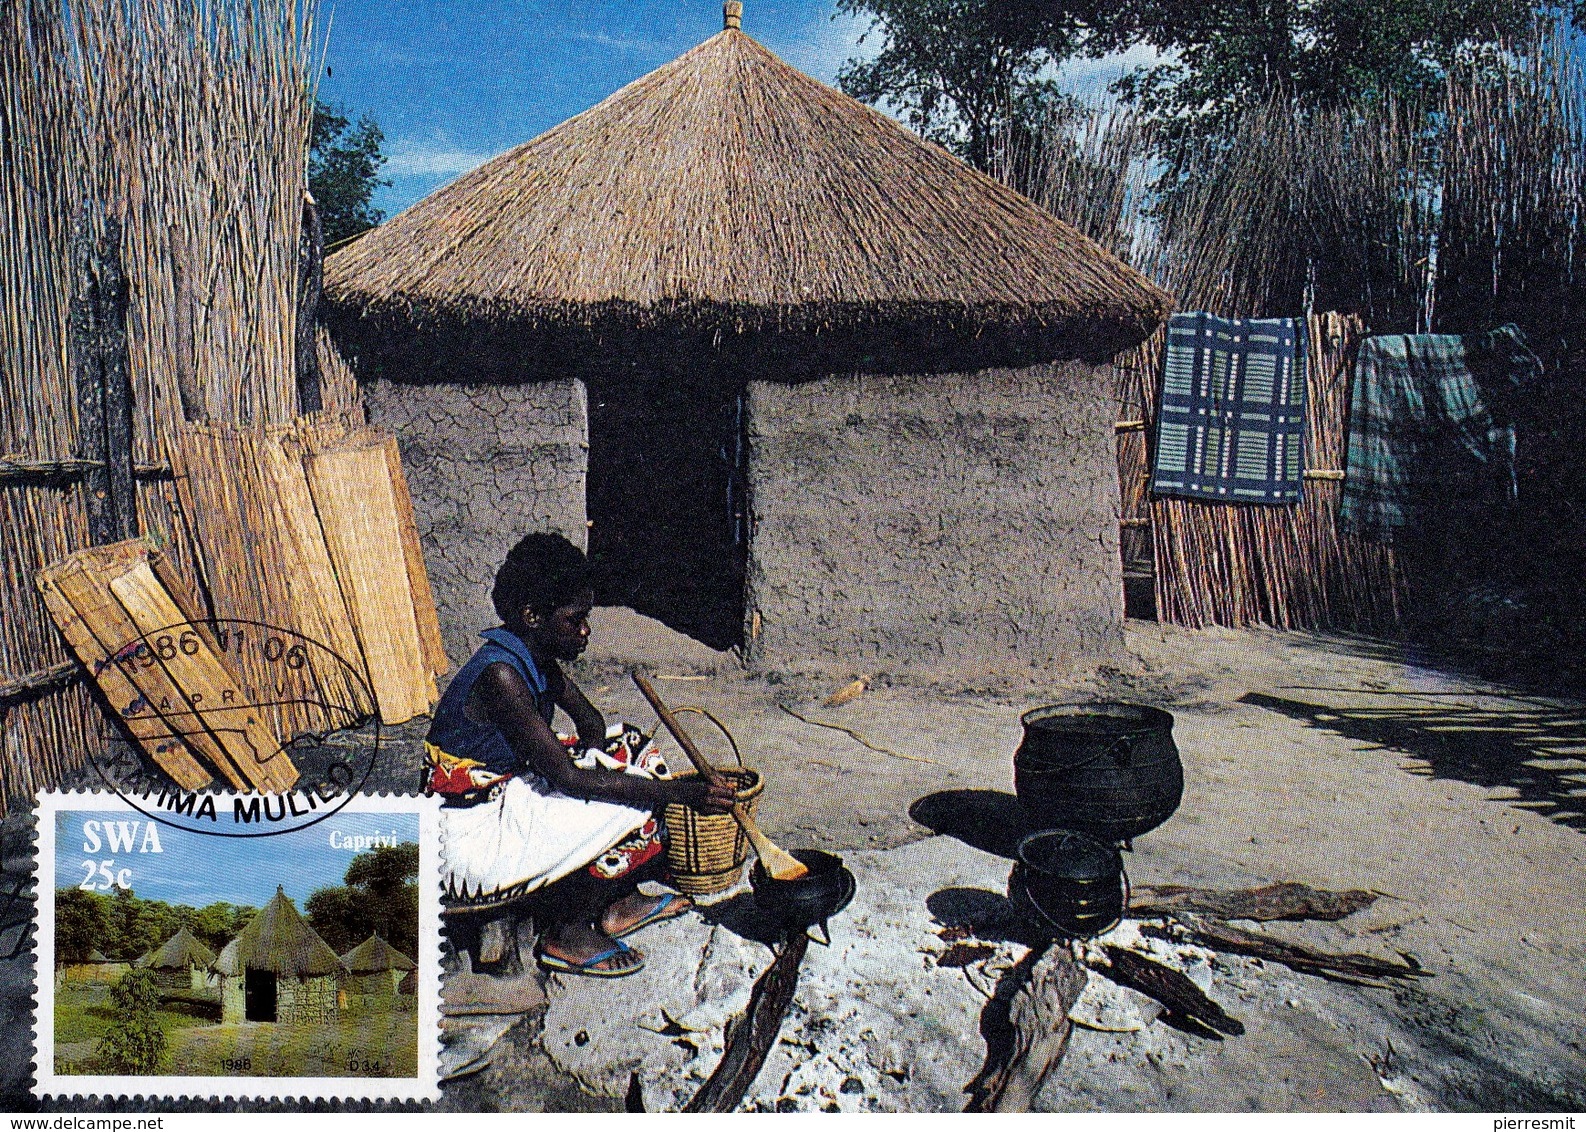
(82, 925)
(959, 71)
(135, 1042)
(344, 163)
(1226, 55)
(217, 924)
(124, 926)
(381, 895)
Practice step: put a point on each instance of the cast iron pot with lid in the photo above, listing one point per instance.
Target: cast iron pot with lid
(1068, 884)
(798, 905)
(1109, 770)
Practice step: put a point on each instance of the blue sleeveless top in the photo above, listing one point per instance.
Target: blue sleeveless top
(453, 732)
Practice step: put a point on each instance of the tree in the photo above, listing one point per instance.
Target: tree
(1230, 54)
(959, 71)
(135, 1043)
(344, 163)
(82, 925)
(218, 924)
(381, 895)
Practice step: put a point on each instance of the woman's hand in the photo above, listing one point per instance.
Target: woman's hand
(713, 795)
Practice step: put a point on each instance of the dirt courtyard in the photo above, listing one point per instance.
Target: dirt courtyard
(1339, 763)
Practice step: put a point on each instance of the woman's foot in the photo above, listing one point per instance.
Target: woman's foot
(636, 910)
(576, 944)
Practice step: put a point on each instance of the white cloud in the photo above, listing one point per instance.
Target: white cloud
(431, 159)
(830, 44)
(619, 43)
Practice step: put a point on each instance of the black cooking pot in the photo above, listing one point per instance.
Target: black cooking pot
(1106, 769)
(797, 905)
(1068, 884)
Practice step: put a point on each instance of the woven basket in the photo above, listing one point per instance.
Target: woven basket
(706, 852)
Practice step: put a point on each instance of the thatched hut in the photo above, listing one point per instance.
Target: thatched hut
(96, 968)
(278, 969)
(375, 971)
(815, 386)
(181, 963)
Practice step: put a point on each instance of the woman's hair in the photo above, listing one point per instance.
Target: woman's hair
(542, 573)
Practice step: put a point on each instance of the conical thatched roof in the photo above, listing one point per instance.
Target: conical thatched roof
(97, 956)
(278, 939)
(181, 951)
(374, 955)
(728, 189)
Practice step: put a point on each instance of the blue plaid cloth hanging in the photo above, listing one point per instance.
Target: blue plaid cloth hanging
(1231, 422)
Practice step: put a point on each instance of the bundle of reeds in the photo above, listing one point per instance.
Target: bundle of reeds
(187, 122)
(42, 736)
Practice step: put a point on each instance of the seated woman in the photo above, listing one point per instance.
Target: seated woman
(520, 814)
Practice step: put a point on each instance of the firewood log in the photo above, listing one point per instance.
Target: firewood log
(1173, 989)
(1308, 960)
(1039, 1030)
(1286, 901)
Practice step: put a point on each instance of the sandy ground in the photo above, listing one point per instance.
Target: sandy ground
(1339, 763)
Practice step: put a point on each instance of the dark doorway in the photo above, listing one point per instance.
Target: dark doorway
(259, 996)
(665, 496)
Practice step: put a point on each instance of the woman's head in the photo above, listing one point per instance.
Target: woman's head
(543, 594)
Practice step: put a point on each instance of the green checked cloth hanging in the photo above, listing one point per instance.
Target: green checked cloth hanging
(1231, 423)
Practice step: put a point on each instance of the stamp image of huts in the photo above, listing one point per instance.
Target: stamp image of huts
(376, 972)
(95, 967)
(814, 387)
(278, 969)
(181, 963)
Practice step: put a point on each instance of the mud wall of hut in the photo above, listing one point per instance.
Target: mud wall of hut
(486, 464)
(944, 524)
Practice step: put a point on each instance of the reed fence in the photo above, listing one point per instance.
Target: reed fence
(152, 190)
(1449, 217)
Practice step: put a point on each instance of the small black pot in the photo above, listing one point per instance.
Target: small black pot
(798, 905)
(1067, 884)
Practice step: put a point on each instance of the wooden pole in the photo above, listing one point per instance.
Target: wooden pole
(310, 284)
(115, 367)
(101, 371)
(87, 378)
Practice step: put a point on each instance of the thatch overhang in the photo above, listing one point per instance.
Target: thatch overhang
(374, 955)
(727, 194)
(278, 939)
(181, 951)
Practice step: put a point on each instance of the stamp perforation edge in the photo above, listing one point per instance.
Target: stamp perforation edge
(424, 1085)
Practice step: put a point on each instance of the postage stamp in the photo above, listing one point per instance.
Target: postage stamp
(174, 962)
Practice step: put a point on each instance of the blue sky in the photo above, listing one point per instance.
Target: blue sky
(199, 869)
(453, 83)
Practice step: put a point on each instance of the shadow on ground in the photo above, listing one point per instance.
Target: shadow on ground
(1536, 749)
(988, 820)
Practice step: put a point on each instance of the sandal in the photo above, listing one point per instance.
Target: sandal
(672, 905)
(589, 966)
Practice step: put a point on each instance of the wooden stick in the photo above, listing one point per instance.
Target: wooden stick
(1038, 1032)
(752, 1034)
(1285, 901)
(777, 861)
(1307, 960)
(1171, 988)
(56, 678)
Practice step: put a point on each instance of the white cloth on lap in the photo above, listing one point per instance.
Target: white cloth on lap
(528, 836)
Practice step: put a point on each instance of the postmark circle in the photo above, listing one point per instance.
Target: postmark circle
(236, 728)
